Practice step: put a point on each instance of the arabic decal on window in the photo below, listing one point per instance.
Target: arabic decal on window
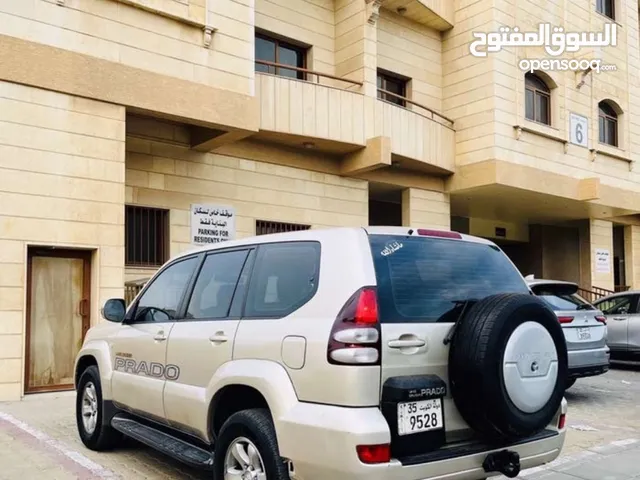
(391, 248)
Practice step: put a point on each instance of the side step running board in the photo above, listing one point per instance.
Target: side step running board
(165, 443)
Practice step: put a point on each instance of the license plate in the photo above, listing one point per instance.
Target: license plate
(584, 334)
(422, 416)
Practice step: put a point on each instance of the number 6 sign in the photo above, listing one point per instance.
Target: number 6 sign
(578, 126)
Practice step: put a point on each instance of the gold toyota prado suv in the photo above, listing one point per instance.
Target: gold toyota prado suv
(338, 354)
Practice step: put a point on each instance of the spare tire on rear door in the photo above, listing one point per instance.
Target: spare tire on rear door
(508, 366)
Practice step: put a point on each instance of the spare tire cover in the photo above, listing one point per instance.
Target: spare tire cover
(508, 366)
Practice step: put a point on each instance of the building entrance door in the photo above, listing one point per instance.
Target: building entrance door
(58, 316)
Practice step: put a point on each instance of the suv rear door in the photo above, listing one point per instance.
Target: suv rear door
(424, 283)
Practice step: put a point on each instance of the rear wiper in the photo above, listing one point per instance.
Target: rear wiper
(465, 304)
(584, 307)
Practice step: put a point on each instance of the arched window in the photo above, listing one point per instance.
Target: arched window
(607, 123)
(537, 99)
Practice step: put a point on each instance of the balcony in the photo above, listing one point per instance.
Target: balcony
(339, 121)
(436, 14)
(421, 138)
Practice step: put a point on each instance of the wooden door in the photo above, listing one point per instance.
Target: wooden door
(58, 316)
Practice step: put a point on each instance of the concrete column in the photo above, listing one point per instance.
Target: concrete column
(356, 40)
(632, 255)
(425, 209)
(595, 236)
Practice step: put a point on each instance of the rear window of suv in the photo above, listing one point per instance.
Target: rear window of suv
(561, 297)
(422, 279)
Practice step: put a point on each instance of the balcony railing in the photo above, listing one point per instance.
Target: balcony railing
(132, 288)
(426, 111)
(307, 73)
(596, 293)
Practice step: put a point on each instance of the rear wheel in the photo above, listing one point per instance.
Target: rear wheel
(247, 448)
(508, 366)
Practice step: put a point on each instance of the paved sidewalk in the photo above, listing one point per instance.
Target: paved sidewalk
(619, 460)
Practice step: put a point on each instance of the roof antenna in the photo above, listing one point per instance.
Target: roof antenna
(411, 231)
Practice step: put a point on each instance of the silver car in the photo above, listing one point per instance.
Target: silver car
(584, 326)
(623, 323)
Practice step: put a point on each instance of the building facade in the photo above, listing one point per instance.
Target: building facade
(132, 130)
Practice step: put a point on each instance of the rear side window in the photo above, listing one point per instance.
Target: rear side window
(285, 277)
(561, 297)
(422, 280)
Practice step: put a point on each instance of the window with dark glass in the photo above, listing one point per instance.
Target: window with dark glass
(392, 88)
(607, 124)
(216, 285)
(146, 236)
(606, 7)
(285, 277)
(537, 100)
(274, 51)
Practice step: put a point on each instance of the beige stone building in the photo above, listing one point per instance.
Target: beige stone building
(131, 130)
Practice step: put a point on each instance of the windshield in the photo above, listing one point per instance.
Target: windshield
(561, 297)
(422, 279)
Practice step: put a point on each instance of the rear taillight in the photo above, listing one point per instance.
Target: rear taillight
(438, 233)
(601, 319)
(565, 319)
(374, 453)
(355, 336)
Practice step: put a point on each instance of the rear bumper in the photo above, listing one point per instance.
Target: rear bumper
(587, 363)
(326, 440)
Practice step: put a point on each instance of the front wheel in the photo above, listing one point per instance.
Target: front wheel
(89, 413)
(247, 448)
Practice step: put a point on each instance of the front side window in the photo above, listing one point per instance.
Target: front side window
(607, 124)
(616, 306)
(285, 277)
(537, 100)
(216, 284)
(274, 51)
(425, 280)
(160, 301)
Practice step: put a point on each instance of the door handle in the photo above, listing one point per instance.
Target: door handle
(408, 343)
(83, 307)
(219, 337)
(160, 336)
(620, 318)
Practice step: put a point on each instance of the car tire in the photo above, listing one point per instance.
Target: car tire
(249, 430)
(501, 339)
(570, 383)
(89, 404)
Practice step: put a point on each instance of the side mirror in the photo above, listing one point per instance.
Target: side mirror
(114, 310)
